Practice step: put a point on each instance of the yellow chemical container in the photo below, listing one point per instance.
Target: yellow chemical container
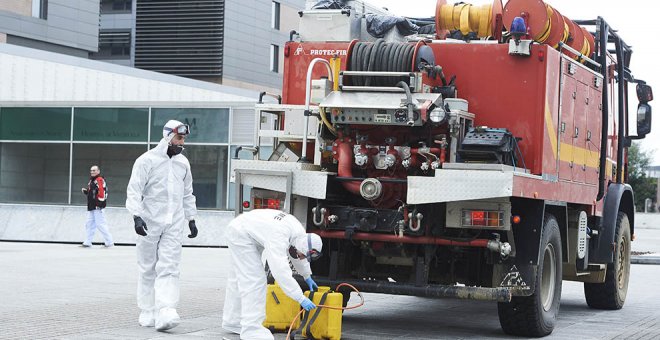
(327, 322)
(280, 309)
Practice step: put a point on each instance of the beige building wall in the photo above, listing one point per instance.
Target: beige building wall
(289, 18)
(22, 7)
(251, 86)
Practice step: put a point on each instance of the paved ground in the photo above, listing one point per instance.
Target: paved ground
(66, 292)
(62, 291)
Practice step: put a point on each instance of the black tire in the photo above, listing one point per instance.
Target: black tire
(611, 294)
(536, 315)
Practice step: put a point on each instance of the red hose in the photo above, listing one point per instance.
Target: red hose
(435, 151)
(345, 163)
(479, 243)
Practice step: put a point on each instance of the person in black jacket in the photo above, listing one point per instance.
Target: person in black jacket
(97, 194)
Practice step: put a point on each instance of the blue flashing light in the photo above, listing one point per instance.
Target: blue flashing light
(518, 27)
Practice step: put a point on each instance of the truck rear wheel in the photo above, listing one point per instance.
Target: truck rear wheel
(536, 315)
(611, 294)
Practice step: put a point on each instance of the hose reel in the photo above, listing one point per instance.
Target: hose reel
(381, 56)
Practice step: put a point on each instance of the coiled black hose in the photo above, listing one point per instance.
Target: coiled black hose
(380, 56)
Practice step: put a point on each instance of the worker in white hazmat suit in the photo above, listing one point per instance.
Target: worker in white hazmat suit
(281, 238)
(160, 198)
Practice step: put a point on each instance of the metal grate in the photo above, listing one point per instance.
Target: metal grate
(180, 37)
(115, 37)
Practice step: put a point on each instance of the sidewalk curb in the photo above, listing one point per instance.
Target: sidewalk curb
(645, 260)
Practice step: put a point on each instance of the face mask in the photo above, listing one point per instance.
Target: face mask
(174, 149)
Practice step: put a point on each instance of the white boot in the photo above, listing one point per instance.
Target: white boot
(167, 318)
(232, 328)
(147, 318)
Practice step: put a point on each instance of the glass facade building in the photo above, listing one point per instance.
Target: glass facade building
(46, 152)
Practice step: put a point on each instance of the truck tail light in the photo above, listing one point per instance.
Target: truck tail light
(483, 218)
(267, 203)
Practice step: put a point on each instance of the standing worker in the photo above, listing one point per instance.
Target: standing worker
(280, 237)
(160, 198)
(97, 194)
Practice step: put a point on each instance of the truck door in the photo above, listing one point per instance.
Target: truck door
(568, 93)
(593, 137)
(580, 132)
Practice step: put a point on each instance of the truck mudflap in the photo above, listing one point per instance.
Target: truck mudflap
(499, 294)
(520, 279)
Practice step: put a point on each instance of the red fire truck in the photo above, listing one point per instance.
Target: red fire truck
(485, 161)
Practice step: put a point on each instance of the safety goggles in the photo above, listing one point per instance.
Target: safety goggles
(182, 129)
(312, 254)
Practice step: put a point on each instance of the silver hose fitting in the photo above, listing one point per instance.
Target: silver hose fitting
(504, 248)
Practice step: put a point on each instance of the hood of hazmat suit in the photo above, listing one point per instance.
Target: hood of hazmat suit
(303, 243)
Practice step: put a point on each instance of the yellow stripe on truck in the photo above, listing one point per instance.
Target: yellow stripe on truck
(569, 152)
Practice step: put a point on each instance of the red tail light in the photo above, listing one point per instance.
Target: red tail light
(483, 218)
(267, 203)
(478, 218)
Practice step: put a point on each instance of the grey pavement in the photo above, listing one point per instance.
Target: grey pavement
(62, 291)
(646, 247)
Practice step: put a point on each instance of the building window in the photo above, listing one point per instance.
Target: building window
(116, 163)
(116, 6)
(275, 19)
(209, 169)
(34, 173)
(110, 124)
(274, 58)
(113, 44)
(18, 123)
(40, 9)
(39, 160)
(206, 125)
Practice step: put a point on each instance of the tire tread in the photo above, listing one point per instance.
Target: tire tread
(604, 295)
(519, 317)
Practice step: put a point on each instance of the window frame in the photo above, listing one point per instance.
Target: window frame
(276, 15)
(40, 9)
(274, 58)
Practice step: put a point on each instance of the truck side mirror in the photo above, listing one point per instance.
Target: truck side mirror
(644, 93)
(643, 119)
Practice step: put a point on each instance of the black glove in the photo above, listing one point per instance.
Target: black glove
(140, 226)
(84, 191)
(193, 229)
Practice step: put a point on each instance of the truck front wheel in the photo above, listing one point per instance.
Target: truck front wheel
(536, 315)
(611, 294)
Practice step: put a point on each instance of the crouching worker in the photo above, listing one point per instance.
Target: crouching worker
(281, 238)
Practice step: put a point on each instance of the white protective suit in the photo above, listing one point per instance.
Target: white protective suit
(271, 232)
(160, 191)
